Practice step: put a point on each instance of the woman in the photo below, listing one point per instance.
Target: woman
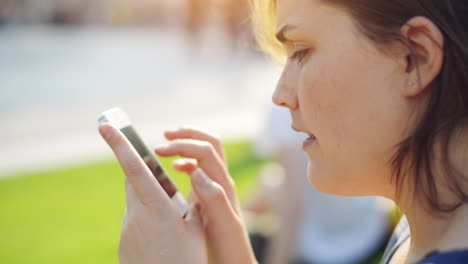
(380, 87)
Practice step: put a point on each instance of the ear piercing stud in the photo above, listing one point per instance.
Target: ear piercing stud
(411, 83)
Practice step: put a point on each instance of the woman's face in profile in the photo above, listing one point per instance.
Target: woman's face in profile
(346, 93)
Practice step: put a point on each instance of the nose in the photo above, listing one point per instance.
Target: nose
(285, 94)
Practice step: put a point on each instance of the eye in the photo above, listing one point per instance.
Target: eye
(299, 55)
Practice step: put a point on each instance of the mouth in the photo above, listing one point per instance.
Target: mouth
(309, 140)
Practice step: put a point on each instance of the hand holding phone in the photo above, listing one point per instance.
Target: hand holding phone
(120, 120)
(153, 231)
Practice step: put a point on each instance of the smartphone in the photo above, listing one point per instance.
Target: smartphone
(119, 119)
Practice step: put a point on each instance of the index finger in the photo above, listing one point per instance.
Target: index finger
(147, 189)
(197, 134)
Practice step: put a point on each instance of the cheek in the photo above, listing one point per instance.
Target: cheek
(322, 113)
(322, 100)
(338, 105)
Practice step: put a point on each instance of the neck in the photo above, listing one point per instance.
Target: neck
(431, 233)
(447, 232)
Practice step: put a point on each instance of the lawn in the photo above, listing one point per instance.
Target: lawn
(74, 215)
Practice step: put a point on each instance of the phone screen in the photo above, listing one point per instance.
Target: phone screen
(150, 159)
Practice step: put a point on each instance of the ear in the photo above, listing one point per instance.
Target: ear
(427, 44)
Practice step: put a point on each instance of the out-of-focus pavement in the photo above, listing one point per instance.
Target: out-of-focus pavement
(54, 82)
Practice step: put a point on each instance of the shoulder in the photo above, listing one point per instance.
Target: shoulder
(453, 257)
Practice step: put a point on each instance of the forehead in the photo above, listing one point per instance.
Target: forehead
(311, 12)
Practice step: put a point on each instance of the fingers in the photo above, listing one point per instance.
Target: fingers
(139, 176)
(222, 221)
(194, 216)
(207, 159)
(185, 165)
(197, 134)
(214, 201)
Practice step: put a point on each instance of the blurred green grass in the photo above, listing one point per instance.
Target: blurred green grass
(74, 215)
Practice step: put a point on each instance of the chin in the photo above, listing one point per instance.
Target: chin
(320, 180)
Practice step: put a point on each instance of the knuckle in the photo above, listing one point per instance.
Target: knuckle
(132, 168)
(216, 139)
(150, 203)
(219, 146)
(207, 149)
(237, 222)
(191, 132)
(217, 194)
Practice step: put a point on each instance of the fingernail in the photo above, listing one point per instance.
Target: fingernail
(172, 130)
(161, 147)
(180, 162)
(201, 179)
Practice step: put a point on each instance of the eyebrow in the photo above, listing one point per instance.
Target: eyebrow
(280, 36)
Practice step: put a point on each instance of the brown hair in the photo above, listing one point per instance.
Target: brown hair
(380, 21)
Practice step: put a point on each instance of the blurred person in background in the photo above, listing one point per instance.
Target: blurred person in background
(197, 14)
(152, 12)
(4, 10)
(236, 21)
(70, 13)
(8, 9)
(313, 227)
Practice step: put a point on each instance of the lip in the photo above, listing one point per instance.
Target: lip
(308, 142)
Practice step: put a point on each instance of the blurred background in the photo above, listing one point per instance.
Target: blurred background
(62, 62)
(166, 63)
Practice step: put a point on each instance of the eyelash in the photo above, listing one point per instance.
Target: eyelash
(299, 55)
